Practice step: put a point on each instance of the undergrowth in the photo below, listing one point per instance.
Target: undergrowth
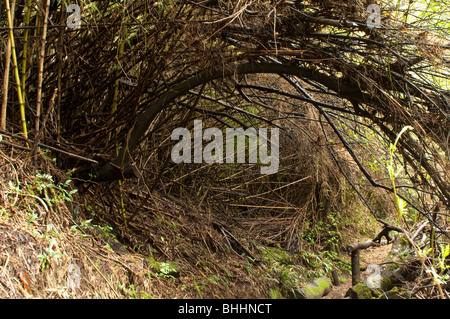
(49, 227)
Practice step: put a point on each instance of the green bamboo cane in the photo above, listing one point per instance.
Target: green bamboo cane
(25, 47)
(16, 71)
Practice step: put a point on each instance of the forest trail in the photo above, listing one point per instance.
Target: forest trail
(291, 126)
(373, 255)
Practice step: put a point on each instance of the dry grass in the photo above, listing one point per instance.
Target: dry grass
(40, 243)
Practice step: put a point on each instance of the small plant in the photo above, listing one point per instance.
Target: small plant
(3, 212)
(441, 277)
(134, 293)
(400, 203)
(50, 252)
(167, 270)
(131, 291)
(164, 269)
(32, 217)
(445, 252)
(401, 210)
(60, 193)
(104, 231)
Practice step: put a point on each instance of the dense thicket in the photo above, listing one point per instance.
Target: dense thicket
(341, 90)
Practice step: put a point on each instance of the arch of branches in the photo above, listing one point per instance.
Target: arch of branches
(132, 64)
(386, 77)
(110, 92)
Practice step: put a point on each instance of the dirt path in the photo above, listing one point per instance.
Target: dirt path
(373, 255)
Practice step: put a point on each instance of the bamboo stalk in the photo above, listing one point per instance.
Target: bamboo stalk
(113, 111)
(41, 68)
(6, 77)
(16, 70)
(59, 85)
(6, 84)
(25, 47)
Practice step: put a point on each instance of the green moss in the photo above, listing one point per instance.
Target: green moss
(342, 279)
(396, 293)
(404, 293)
(275, 293)
(386, 283)
(276, 254)
(316, 289)
(361, 291)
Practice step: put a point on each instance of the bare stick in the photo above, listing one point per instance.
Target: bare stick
(41, 68)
